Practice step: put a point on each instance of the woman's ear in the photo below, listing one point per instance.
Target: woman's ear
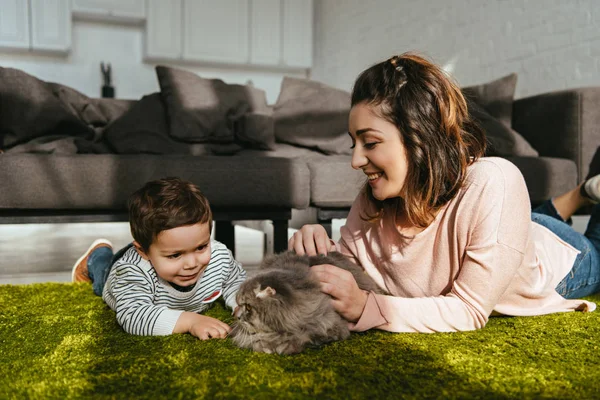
(140, 250)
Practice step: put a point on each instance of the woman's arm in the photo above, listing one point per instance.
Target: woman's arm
(499, 222)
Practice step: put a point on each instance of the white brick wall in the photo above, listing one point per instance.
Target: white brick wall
(551, 44)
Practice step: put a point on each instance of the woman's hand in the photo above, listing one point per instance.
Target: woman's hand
(310, 240)
(348, 299)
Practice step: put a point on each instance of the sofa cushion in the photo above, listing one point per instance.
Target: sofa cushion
(209, 110)
(333, 182)
(490, 105)
(104, 181)
(286, 151)
(496, 97)
(29, 109)
(314, 115)
(46, 145)
(143, 129)
(546, 177)
(112, 109)
(502, 140)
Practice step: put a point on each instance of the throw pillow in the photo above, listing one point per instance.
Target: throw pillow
(143, 129)
(490, 105)
(496, 97)
(314, 115)
(208, 110)
(30, 109)
(503, 141)
(256, 131)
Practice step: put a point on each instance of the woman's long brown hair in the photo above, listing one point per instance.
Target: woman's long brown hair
(441, 141)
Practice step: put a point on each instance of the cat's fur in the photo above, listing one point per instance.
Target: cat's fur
(282, 309)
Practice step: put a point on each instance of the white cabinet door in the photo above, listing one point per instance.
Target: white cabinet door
(14, 24)
(265, 32)
(163, 29)
(216, 31)
(297, 33)
(51, 25)
(110, 10)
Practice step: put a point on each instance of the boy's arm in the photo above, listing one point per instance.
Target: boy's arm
(133, 293)
(201, 326)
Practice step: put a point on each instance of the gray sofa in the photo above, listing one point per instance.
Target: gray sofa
(563, 127)
(54, 170)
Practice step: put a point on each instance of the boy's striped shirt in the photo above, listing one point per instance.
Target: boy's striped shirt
(148, 305)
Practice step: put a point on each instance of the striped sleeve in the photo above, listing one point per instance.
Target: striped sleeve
(136, 312)
(233, 276)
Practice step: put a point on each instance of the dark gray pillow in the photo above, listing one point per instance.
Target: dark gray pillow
(503, 141)
(143, 129)
(314, 115)
(209, 110)
(29, 109)
(96, 113)
(496, 97)
(490, 105)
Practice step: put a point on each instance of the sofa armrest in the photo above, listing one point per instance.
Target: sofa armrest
(563, 124)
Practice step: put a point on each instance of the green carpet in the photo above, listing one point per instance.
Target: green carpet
(60, 341)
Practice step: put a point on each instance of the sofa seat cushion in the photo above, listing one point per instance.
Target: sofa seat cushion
(285, 151)
(104, 181)
(546, 177)
(334, 184)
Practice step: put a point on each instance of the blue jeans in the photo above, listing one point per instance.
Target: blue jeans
(584, 278)
(99, 265)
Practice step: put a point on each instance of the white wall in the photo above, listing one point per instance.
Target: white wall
(551, 44)
(122, 47)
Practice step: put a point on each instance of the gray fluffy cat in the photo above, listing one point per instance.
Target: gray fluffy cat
(282, 309)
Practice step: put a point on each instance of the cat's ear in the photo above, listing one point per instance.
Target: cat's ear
(266, 292)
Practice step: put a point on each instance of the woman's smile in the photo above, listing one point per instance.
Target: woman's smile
(374, 178)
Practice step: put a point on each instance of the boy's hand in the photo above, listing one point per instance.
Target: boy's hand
(201, 326)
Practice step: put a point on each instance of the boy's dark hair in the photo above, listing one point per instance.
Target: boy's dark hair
(440, 138)
(165, 204)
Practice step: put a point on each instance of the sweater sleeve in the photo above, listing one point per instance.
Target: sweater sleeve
(498, 224)
(234, 276)
(136, 312)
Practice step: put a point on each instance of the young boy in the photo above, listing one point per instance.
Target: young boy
(171, 272)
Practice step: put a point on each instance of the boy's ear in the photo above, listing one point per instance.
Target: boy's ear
(140, 250)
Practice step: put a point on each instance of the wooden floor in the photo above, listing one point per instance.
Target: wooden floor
(32, 253)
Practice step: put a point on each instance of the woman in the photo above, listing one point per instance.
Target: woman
(449, 234)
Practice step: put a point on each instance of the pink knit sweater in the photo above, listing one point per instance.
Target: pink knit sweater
(481, 256)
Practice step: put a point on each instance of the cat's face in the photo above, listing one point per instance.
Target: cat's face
(258, 305)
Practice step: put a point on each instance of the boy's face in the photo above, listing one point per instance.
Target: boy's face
(180, 255)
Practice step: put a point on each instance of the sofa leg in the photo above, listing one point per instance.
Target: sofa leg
(280, 235)
(225, 233)
(327, 224)
(325, 217)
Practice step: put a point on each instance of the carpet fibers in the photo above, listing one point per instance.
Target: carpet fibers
(60, 341)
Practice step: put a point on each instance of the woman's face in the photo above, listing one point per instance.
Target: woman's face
(378, 151)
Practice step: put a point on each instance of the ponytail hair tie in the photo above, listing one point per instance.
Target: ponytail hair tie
(401, 77)
(394, 62)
